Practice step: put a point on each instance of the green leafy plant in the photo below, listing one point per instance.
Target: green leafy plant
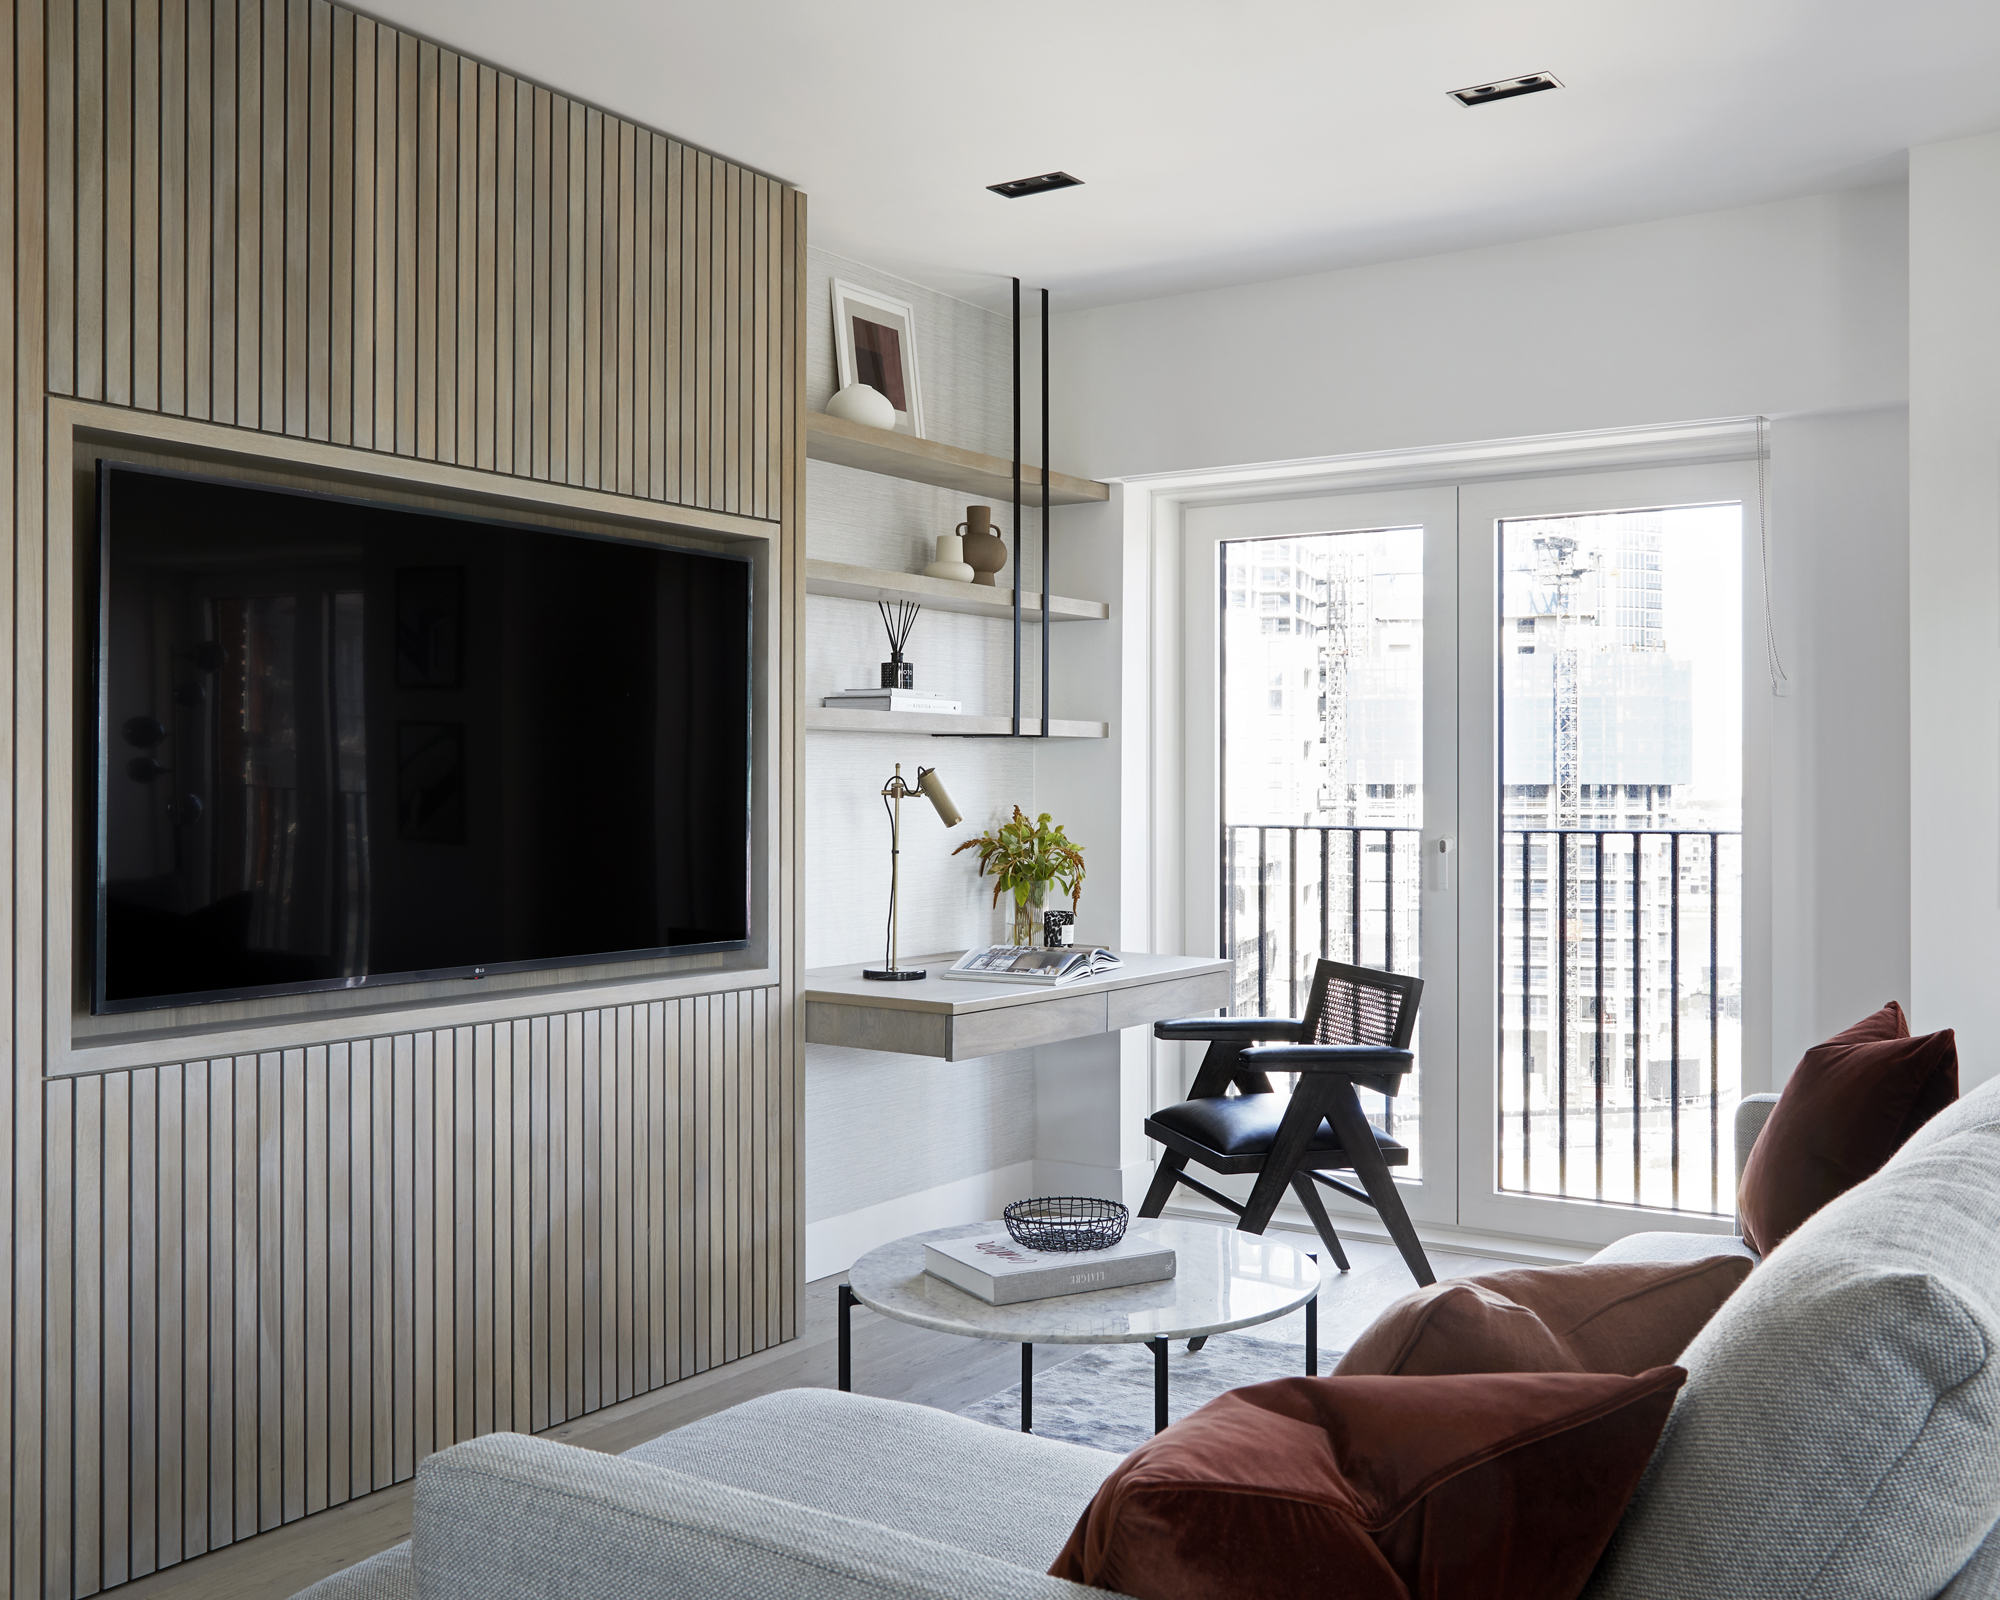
(1023, 858)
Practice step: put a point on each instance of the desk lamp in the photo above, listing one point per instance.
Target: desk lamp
(894, 793)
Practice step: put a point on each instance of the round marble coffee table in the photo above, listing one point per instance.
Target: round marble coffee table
(1223, 1280)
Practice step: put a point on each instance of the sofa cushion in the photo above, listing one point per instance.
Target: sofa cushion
(1675, 1247)
(1836, 1435)
(512, 1518)
(387, 1576)
(1007, 1495)
(1847, 1107)
(1504, 1485)
(1592, 1317)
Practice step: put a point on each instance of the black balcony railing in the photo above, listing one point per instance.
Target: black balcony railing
(1619, 988)
(1292, 894)
(1620, 1012)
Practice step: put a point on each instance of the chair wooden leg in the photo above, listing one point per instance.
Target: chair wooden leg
(1164, 1177)
(1358, 1139)
(1288, 1150)
(1308, 1193)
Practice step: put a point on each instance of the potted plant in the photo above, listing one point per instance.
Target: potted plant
(1023, 859)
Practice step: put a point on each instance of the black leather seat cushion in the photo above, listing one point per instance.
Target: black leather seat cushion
(1247, 1125)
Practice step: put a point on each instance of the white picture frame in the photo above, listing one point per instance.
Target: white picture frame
(881, 351)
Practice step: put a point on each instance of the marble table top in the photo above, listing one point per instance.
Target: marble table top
(1223, 1280)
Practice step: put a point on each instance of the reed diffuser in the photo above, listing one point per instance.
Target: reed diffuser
(898, 619)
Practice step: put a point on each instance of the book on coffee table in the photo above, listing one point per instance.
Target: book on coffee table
(1003, 1273)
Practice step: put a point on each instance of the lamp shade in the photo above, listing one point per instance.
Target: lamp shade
(927, 780)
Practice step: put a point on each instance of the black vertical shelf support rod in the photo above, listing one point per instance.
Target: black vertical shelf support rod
(1047, 631)
(1018, 546)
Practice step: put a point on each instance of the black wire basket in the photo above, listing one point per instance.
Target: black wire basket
(1066, 1222)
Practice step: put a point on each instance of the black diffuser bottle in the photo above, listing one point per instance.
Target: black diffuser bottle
(899, 620)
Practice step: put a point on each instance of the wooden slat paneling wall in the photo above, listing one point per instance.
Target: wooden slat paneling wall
(285, 1279)
(242, 1291)
(279, 214)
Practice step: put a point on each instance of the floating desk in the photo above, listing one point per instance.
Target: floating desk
(963, 1019)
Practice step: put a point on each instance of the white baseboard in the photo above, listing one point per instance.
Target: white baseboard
(836, 1243)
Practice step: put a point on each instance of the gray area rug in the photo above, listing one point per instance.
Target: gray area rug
(1104, 1397)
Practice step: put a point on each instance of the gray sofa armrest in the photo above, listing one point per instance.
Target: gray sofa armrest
(512, 1518)
(1752, 1112)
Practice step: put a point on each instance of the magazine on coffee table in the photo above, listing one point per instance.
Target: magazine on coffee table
(1027, 963)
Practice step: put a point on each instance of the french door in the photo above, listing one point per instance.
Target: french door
(1495, 734)
(1321, 637)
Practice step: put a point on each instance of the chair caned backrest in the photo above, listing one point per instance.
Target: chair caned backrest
(1359, 1005)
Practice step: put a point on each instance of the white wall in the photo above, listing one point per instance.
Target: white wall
(1796, 311)
(1797, 306)
(1954, 589)
(894, 1143)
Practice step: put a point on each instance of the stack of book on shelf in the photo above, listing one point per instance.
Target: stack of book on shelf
(1003, 1273)
(1027, 963)
(889, 700)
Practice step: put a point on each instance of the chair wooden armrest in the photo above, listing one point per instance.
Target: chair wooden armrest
(1370, 1066)
(1229, 1030)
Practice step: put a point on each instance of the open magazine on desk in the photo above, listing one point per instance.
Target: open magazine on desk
(1027, 963)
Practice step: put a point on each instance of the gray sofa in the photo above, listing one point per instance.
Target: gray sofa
(1838, 1438)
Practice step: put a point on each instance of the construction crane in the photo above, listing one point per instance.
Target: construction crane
(1562, 562)
(1336, 645)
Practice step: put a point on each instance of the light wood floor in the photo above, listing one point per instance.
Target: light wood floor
(891, 1359)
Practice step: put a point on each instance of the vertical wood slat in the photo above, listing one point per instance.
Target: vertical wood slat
(175, 77)
(145, 226)
(320, 126)
(465, 342)
(198, 237)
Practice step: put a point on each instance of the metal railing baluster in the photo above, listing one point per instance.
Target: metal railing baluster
(1597, 1066)
(1263, 927)
(1559, 947)
(1674, 1020)
(1714, 1032)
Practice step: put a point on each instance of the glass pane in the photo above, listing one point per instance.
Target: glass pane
(1621, 692)
(1322, 768)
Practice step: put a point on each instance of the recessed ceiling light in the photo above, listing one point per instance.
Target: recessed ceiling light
(1506, 88)
(1041, 184)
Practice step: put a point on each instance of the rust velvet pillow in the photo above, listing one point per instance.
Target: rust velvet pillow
(1610, 1316)
(1506, 1486)
(1848, 1106)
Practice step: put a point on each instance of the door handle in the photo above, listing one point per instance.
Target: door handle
(1438, 855)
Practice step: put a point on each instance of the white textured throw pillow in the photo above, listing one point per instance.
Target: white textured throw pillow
(1839, 1435)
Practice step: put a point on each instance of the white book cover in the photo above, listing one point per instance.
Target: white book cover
(888, 700)
(1000, 1272)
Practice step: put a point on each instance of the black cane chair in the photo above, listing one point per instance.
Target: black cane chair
(1355, 1035)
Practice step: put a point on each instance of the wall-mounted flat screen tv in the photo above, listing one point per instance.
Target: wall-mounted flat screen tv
(346, 743)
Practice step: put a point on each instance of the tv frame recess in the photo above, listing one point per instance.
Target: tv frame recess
(105, 739)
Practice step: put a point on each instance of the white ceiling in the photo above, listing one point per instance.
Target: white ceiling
(1224, 143)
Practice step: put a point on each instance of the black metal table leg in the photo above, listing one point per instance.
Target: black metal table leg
(1312, 1327)
(1027, 1388)
(1159, 1349)
(847, 1304)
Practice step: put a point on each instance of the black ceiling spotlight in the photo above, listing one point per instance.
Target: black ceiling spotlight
(1040, 184)
(1506, 88)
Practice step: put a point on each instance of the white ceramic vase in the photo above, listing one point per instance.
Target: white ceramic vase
(951, 562)
(862, 403)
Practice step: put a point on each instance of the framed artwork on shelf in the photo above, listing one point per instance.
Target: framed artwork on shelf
(875, 342)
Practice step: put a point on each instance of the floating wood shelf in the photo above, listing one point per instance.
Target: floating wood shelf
(942, 594)
(897, 455)
(824, 719)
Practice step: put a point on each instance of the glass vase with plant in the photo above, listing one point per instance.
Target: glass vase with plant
(1023, 858)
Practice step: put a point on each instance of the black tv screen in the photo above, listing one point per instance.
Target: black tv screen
(345, 743)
